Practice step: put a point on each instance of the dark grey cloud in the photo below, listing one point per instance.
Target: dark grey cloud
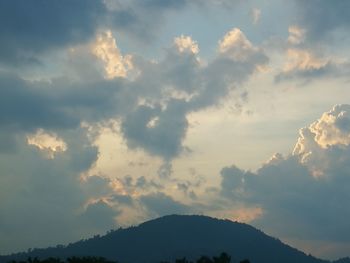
(323, 19)
(31, 27)
(160, 204)
(61, 104)
(43, 200)
(165, 137)
(128, 186)
(122, 199)
(318, 26)
(23, 104)
(295, 204)
(99, 216)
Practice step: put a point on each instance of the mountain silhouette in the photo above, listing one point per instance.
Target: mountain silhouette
(178, 236)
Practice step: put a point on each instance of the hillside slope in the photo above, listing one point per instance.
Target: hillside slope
(176, 236)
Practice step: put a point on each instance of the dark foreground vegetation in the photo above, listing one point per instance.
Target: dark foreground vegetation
(223, 258)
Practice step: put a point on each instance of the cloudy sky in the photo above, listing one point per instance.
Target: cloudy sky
(115, 112)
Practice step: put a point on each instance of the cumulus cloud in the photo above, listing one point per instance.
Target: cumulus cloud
(168, 89)
(179, 84)
(333, 127)
(303, 195)
(329, 134)
(236, 44)
(186, 44)
(105, 48)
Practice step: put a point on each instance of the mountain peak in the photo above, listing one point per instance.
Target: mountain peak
(177, 236)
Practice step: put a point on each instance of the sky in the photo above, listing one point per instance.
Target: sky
(116, 112)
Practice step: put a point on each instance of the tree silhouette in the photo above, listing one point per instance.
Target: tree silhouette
(182, 260)
(204, 259)
(223, 258)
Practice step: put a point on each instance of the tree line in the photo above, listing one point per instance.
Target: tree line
(222, 258)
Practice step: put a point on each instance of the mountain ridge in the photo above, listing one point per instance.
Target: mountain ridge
(177, 236)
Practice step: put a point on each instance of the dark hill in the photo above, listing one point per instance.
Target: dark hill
(175, 236)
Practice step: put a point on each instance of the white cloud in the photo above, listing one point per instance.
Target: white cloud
(331, 130)
(106, 49)
(47, 142)
(186, 44)
(236, 45)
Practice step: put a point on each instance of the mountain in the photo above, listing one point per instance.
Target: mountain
(176, 236)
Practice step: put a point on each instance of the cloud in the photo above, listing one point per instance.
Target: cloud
(333, 127)
(304, 64)
(296, 35)
(304, 195)
(323, 19)
(49, 143)
(186, 44)
(34, 106)
(99, 216)
(42, 198)
(106, 49)
(170, 88)
(159, 204)
(235, 44)
(32, 27)
(321, 145)
(165, 137)
(256, 15)
(153, 105)
(180, 84)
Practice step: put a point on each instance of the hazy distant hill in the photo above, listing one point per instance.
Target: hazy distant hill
(177, 236)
